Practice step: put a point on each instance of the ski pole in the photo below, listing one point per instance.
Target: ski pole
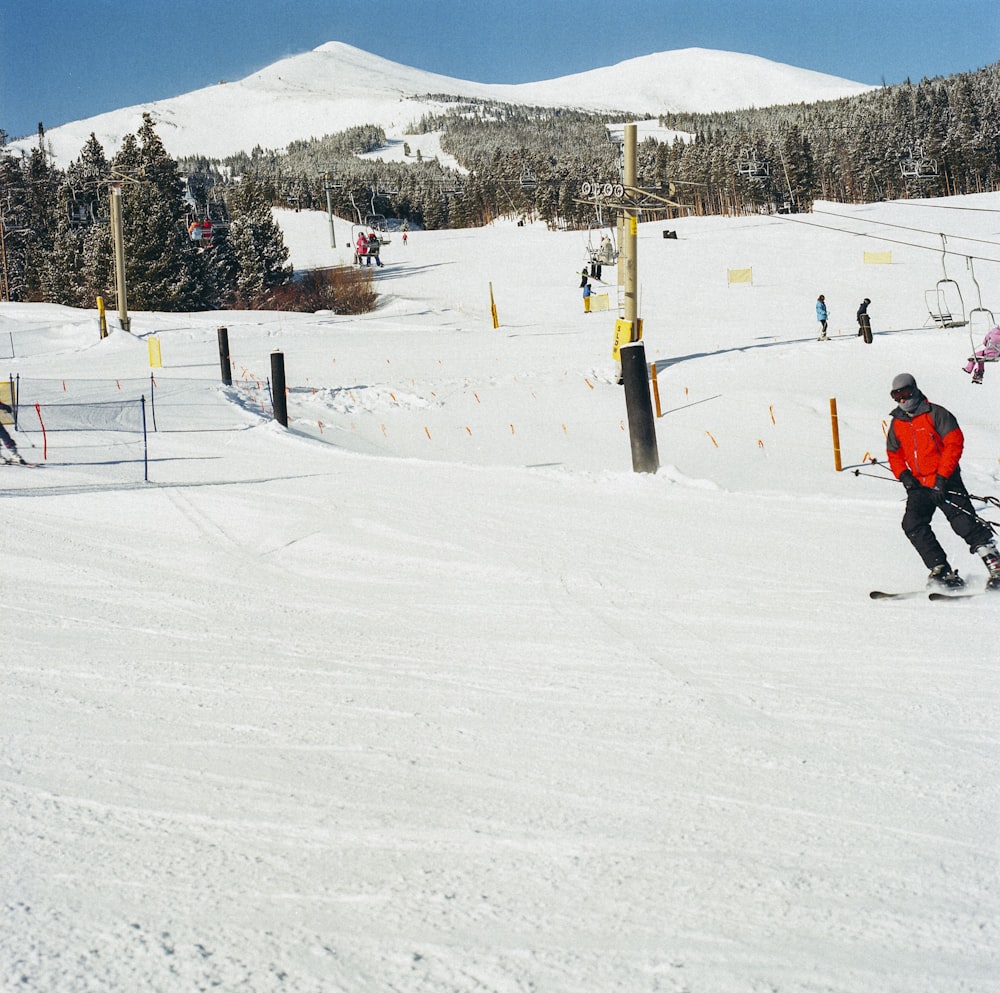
(976, 517)
(871, 475)
(992, 500)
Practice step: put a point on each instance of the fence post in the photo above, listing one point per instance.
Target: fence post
(641, 426)
(278, 388)
(227, 370)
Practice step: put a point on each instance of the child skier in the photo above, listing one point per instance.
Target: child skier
(990, 350)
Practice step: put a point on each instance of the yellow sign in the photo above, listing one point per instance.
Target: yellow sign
(155, 361)
(600, 301)
(740, 276)
(878, 258)
(623, 336)
(6, 416)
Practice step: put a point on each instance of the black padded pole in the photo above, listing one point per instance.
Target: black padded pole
(278, 388)
(227, 369)
(641, 423)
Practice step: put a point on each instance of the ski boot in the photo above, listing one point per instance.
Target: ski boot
(944, 577)
(991, 559)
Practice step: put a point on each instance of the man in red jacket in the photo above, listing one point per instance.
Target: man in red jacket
(924, 446)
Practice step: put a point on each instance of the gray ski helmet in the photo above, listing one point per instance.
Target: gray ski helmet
(905, 381)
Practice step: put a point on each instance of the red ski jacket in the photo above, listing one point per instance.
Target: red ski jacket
(928, 442)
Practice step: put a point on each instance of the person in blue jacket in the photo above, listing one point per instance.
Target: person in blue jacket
(587, 291)
(822, 315)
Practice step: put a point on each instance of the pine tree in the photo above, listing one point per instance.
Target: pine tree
(40, 217)
(255, 245)
(163, 271)
(16, 233)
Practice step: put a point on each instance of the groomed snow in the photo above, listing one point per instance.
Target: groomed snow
(431, 692)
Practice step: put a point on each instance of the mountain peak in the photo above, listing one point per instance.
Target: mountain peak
(337, 86)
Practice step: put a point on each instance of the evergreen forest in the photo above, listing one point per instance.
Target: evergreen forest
(937, 137)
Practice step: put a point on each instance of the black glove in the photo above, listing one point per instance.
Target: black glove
(941, 490)
(908, 480)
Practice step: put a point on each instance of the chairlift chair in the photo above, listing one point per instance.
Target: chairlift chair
(377, 223)
(981, 319)
(605, 251)
(751, 166)
(364, 229)
(945, 306)
(78, 213)
(918, 166)
(200, 230)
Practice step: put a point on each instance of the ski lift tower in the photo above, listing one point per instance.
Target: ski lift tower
(329, 185)
(624, 136)
(628, 336)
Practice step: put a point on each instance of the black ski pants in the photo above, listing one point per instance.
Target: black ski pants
(920, 506)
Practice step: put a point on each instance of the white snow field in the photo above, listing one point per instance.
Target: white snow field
(431, 693)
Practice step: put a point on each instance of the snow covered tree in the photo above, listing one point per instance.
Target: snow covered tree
(255, 245)
(163, 271)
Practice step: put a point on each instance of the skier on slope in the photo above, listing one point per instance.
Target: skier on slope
(8, 447)
(864, 321)
(823, 316)
(587, 291)
(924, 445)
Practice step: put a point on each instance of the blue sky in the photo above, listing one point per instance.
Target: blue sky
(63, 60)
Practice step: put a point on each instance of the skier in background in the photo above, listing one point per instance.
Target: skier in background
(864, 322)
(587, 291)
(822, 315)
(9, 451)
(924, 445)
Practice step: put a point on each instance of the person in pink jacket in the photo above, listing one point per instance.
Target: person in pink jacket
(361, 249)
(990, 350)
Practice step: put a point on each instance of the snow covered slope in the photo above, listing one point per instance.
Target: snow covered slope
(337, 86)
(432, 692)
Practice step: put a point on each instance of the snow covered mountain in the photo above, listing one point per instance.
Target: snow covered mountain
(337, 86)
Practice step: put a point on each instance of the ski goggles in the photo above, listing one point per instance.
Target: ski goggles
(903, 393)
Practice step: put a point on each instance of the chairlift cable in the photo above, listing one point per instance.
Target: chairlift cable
(940, 206)
(906, 227)
(800, 219)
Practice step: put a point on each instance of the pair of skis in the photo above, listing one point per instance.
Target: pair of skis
(935, 596)
(7, 459)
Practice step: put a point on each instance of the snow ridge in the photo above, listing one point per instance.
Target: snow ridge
(343, 86)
